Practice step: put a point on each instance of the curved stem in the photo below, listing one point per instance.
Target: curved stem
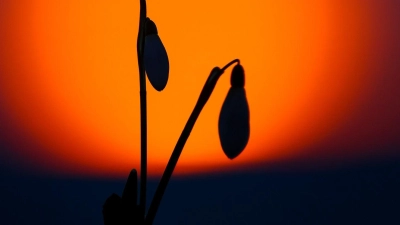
(203, 98)
(230, 63)
(143, 108)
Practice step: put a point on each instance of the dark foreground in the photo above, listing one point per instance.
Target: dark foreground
(368, 193)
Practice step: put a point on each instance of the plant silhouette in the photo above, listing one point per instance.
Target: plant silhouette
(124, 210)
(234, 128)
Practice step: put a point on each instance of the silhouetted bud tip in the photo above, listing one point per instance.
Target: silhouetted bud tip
(150, 27)
(237, 77)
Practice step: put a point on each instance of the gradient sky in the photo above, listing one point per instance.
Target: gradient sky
(319, 75)
(322, 84)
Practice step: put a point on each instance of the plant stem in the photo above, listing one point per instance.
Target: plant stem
(143, 108)
(203, 98)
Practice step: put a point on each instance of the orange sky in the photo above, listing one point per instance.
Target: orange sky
(71, 79)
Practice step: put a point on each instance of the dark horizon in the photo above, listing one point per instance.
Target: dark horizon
(366, 193)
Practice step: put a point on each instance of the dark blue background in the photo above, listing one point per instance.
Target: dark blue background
(366, 193)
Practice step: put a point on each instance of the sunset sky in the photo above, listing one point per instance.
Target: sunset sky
(69, 83)
(321, 81)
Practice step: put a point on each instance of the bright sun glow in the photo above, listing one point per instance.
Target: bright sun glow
(78, 84)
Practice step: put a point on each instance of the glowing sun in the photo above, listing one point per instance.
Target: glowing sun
(76, 87)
